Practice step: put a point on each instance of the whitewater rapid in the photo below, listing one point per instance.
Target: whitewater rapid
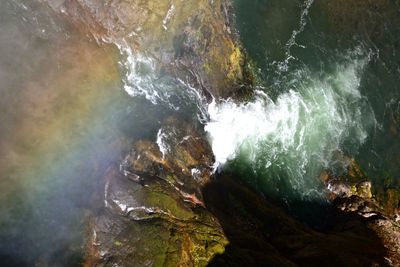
(281, 144)
(286, 142)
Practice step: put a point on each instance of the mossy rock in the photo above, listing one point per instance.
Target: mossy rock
(151, 225)
(153, 212)
(190, 38)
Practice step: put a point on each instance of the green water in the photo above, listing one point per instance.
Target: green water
(297, 45)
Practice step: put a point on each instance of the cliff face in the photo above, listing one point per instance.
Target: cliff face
(191, 39)
(161, 205)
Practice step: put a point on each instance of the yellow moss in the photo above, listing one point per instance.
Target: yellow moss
(235, 64)
(393, 199)
(353, 190)
(207, 67)
(117, 243)
(210, 246)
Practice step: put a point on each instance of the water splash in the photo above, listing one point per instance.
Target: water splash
(287, 142)
(145, 76)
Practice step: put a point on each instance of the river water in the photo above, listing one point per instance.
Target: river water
(329, 90)
(328, 77)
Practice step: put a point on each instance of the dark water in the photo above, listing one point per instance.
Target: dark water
(342, 58)
(329, 87)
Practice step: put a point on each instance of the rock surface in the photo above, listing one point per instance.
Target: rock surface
(180, 156)
(192, 39)
(153, 211)
(356, 198)
(261, 233)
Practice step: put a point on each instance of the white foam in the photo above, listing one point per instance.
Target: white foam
(284, 65)
(168, 16)
(162, 145)
(140, 74)
(145, 78)
(311, 122)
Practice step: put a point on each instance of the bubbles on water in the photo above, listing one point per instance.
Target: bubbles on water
(287, 142)
(284, 65)
(147, 77)
(162, 145)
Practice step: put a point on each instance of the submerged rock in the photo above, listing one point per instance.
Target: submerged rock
(339, 188)
(355, 183)
(153, 212)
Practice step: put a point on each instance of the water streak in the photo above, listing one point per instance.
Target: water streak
(146, 77)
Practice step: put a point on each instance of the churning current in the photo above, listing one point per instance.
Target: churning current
(288, 141)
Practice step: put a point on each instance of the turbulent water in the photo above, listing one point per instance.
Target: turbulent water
(327, 90)
(144, 78)
(324, 95)
(315, 105)
(288, 141)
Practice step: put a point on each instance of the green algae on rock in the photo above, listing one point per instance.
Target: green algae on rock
(191, 39)
(153, 212)
(356, 183)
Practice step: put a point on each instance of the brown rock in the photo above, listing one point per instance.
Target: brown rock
(364, 189)
(263, 234)
(181, 156)
(189, 39)
(153, 212)
(355, 197)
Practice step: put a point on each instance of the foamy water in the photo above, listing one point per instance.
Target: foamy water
(284, 142)
(297, 135)
(145, 77)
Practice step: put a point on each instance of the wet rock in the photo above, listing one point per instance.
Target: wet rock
(389, 233)
(364, 189)
(384, 226)
(359, 205)
(354, 171)
(389, 199)
(381, 214)
(153, 212)
(354, 183)
(180, 156)
(191, 39)
(151, 226)
(261, 233)
(338, 188)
